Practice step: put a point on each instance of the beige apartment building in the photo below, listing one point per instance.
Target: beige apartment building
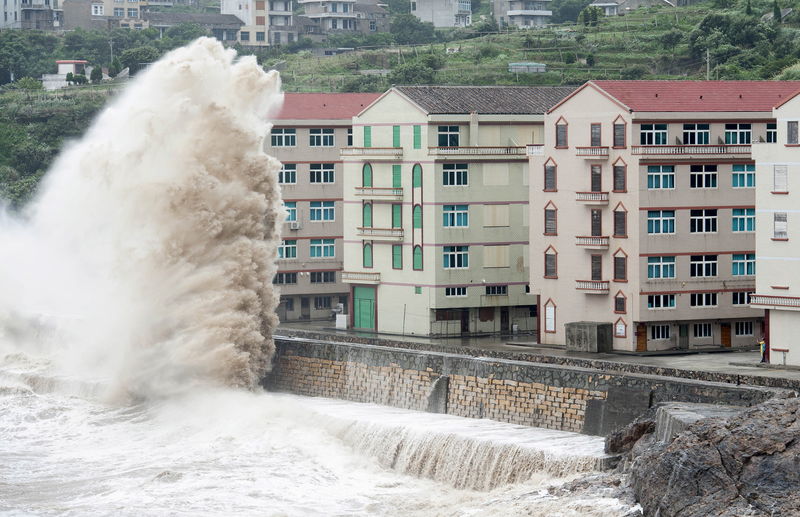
(306, 137)
(777, 246)
(436, 209)
(643, 211)
(266, 22)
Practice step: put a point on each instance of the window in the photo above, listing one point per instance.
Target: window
(416, 176)
(620, 303)
(661, 267)
(397, 176)
(791, 132)
(322, 211)
(455, 257)
(659, 332)
(287, 249)
(397, 256)
(550, 263)
(703, 300)
(291, 210)
(661, 301)
(743, 220)
(620, 328)
(653, 134)
(703, 265)
(455, 174)
(119, 12)
(496, 290)
(741, 298)
(561, 134)
(737, 133)
(288, 174)
(320, 137)
(373, 26)
(366, 215)
(596, 178)
(416, 217)
(366, 175)
(455, 291)
(395, 136)
(456, 216)
(417, 258)
(323, 277)
(349, 137)
(285, 278)
(772, 132)
(596, 218)
(781, 178)
(660, 221)
(322, 248)
(367, 255)
(744, 176)
(322, 302)
(550, 177)
(596, 267)
(660, 176)
(702, 330)
(448, 136)
(595, 130)
(288, 303)
(397, 216)
(703, 221)
(703, 176)
(322, 173)
(260, 36)
(743, 328)
(619, 179)
(260, 20)
(550, 316)
(367, 136)
(283, 137)
(98, 9)
(550, 221)
(780, 225)
(620, 223)
(696, 134)
(744, 264)
(619, 134)
(244, 36)
(620, 268)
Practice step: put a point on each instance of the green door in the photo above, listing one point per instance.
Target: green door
(364, 307)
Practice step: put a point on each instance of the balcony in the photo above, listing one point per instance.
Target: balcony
(693, 151)
(535, 149)
(529, 12)
(499, 152)
(592, 153)
(592, 242)
(330, 14)
(375, 153)
(390, 193)
(361, 277)
(390, 234)
(592, 198)
(592, 286)
(766, 301)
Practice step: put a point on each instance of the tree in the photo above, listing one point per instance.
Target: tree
(749, 9)
(413, 72)
(80, 79)
(408, 29)
(29, 83)
(568, 10)
(137, 58)
(590, 60)
(634, 72)
(115, 68)
(671, 38)
(70, 78)
(97, 74)
(183, 33)
(776, 12)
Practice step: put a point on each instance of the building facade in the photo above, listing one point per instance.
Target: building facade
(306, 137)
(31, 14)
(643, 211)
(435, 204)
(443, 13)
(266, 22)
(325, 17)
(777, 248)
(522, 13)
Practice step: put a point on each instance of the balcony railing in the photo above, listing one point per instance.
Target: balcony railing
(592, 198)
(592, 286)
(477, 151)
(535, 149)
(592, 242)
(361, 277)
(380, 192)
(379, 233)
(592, 152)
(373, 152)
(691, 150)
(777, 301)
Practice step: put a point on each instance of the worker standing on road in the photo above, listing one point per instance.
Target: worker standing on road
(762, 345)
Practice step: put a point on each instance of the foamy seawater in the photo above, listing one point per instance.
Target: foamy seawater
(229, 452)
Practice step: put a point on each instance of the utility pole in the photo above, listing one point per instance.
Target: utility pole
(708, 65)
(111, 44)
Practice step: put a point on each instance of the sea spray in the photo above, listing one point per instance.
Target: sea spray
(146, 259)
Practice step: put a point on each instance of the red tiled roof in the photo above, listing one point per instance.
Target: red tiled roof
(324, 106)
(700, 95)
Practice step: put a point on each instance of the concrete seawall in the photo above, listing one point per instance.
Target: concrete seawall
(554, 396)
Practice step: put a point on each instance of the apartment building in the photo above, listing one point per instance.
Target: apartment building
(443, 13)
(266, 22)
(777, 246)
(31, 14)
(435, 204)
(522, 13)
(306, 137)
(643, 211)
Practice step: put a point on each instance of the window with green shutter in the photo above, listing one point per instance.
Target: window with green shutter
(397, 181)
(366, 175)
(366, 211)
(367, 255)
(395, 136)
(417, 137)
(397, 256)
(418, 257)
(417, 216)
(367, 136)
(416, 176)
(397, 216)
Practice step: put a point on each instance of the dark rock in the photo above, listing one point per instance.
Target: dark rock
(623, 439)
(746, 465)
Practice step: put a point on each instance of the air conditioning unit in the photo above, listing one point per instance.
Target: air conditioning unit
(295, 225)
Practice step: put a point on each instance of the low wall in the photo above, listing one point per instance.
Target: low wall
(559, 397)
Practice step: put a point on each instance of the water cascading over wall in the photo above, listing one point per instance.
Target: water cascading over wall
(148, 255)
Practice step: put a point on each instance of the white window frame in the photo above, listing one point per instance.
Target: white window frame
(703, 300)
(322, 248)
(743, 264)
(451, 134)
(663, 222)
(653, 134)
(702, 330)
(455, 292)
(702, 176)
(780, 225)
(288, 174)
(322, 302)
(98, 9)
(659, 175)
(291, 210)
(696, 134)
(738, 134)
(741, 297)
(283, 137)
(703, 220)
(322, 173)
(743, 328)
(496, 290)
(455, 216)
(322, 211)
(659, 332)
(322, 277)
(455, 175)
(321, 137)
(743, 175)
(287, 249)
(702, 266)
(455, 257)
(772, 132)
(743, 220)
(664, 266)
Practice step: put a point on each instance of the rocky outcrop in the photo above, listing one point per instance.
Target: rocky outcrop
(745, 465)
